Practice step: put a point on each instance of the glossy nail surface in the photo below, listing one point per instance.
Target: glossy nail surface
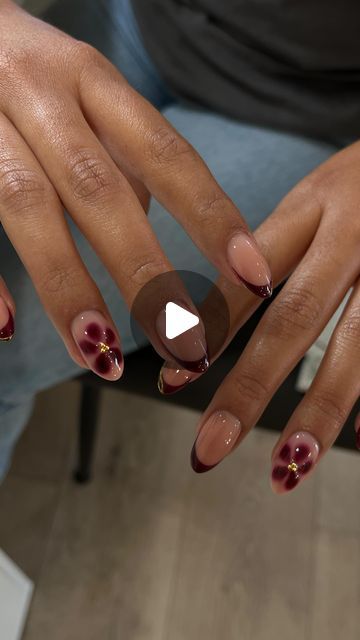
(172, 380)
(6, 321)
(189, 348)
(293, 461)
(99, 344)
(249, 264)
(215, 440)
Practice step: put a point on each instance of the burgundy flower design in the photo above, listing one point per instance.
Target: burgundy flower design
(101, 344)
(294, 460)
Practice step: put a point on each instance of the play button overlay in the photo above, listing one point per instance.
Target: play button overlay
(178, 320)
(185, 317)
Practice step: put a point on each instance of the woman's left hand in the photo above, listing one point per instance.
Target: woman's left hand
(313, 238)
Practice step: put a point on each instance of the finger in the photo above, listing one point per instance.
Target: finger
(321, 414)
(286, 330)
(284, 238)
(7, 312)
(108, 213)
(33, 220)
(174, 173)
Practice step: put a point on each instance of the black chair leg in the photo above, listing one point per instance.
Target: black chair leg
(89, 409)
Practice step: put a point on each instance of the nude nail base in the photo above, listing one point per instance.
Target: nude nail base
(167, 389)
(263, 291)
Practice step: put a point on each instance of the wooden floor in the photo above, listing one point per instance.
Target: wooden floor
(150, 551)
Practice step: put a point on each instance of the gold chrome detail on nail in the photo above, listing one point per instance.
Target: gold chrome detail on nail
(293, 466)
(103, 347)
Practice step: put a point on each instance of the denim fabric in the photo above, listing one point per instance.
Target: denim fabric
(256, 167)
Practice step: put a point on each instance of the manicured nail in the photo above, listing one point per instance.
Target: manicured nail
(172, 380)
(99, 344)
(189, 347)
(357, 431)
(6, 321)
(215, 440)
(294, 461)
(249, 265)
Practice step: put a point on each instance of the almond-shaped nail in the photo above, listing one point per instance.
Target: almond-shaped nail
(99, 344)
(293, 461)
(6, 321)
(172, 379)
(187, 346)
(215, 440)
(249, 265)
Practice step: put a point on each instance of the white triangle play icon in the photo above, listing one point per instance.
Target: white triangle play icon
(178, 320)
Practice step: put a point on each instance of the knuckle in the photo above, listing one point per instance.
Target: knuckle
(348, 333)
(249, 387)
(211, 204)
(142, 270)
(326, 404)
(58, 279)
(83, 52)
(294, 311)
(20, 188)
(89, 177)
(166, 145)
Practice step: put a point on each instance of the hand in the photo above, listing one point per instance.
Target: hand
(314, 237)
(73, 133)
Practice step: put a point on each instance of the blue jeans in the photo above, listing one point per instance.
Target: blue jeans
(255, 166)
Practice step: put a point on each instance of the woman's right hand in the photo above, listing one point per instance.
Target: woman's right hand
(74, 134)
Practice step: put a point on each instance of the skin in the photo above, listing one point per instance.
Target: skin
(74, 134)
(313, 239)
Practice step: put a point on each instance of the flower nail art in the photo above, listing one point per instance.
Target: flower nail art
(99, 344)
(294, 460)
(6, 321)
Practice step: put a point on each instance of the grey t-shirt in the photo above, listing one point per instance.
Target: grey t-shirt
(286, 64)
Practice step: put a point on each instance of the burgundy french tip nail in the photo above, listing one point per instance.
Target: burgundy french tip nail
(198, 466)
(263, 291)
(196, 366)
(98, 344)
(188, 348)
(294, 461)
(249, 265)
(357, 431)
(7, 325)
(168, 389)
(215, 440)
(171, 380)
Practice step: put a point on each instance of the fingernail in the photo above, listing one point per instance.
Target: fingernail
(249, 265)
(99, 344)
(215, 440)
(189, 347)
(172, 380)
(357, 430)
(294, 461)
(6, 321)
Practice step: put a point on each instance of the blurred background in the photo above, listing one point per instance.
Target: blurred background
(148, 550)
